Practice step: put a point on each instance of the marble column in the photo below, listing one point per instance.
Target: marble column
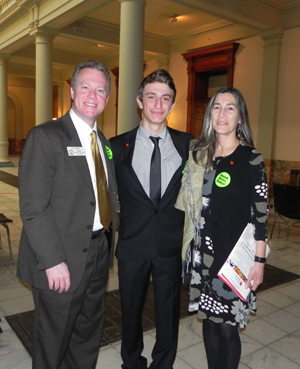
(131, 62)
(268, 92)
(4, 155)
(43, 79)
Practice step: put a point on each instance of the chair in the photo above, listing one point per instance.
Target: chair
(4, 221)
(286, 201)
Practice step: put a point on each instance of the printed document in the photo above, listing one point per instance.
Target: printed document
(235, 270)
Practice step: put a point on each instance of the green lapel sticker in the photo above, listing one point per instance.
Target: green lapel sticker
(223, 179)
(185, 166)
(108, 152)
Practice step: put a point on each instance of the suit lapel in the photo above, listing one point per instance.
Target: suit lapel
(129, 145)
(175, 135)
(177, 175)
(108, 159)
(129, 150)
(73, 140)
(112, 189)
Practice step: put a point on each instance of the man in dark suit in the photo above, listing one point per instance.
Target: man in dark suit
(150, 234)
(67, 239)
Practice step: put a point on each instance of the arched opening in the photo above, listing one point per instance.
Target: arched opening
(14, 124)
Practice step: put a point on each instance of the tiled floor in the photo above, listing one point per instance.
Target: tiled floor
(270, 341)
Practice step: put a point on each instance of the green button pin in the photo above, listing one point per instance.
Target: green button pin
(108, 152)
(223, 179)
(184, 166)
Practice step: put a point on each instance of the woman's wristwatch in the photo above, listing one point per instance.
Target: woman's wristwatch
(258, 259)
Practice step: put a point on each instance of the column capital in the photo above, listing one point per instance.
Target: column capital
(43, 32)
(4, 57)
(272, 36)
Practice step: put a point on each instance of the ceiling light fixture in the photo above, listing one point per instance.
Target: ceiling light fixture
(174, 18)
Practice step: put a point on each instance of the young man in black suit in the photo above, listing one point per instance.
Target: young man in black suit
(150, 234)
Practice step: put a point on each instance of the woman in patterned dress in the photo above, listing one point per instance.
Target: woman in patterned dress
(224, 187)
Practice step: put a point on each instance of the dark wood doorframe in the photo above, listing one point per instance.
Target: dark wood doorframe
(202, 64)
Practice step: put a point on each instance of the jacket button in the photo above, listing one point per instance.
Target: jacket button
(89, 227)
(92, 203)
(85, 250)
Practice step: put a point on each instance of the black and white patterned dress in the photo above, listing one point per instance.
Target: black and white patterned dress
(234, 193)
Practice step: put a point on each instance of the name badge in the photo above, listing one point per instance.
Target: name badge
(76, 151)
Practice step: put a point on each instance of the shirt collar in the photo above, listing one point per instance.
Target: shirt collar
(81, 126)
(143, 133)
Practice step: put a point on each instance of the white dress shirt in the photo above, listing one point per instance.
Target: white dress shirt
(84, 132)
(143, 149)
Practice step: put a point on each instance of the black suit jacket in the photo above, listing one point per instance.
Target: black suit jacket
(57, 203)
(145, 231)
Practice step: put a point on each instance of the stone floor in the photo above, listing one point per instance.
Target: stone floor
(270, 341)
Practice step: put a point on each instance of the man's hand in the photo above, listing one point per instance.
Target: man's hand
(256, 276)
(59, 278)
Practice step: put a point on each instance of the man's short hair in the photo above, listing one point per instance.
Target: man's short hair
(93, 65)
(159, 75)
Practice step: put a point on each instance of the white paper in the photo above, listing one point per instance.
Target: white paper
(235, 270)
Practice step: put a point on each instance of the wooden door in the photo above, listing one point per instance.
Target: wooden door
(202, 64)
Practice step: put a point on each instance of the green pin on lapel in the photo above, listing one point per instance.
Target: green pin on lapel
(108, 152)
(184, 166)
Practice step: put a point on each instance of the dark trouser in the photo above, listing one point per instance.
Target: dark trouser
(68, 326)
(133, 279)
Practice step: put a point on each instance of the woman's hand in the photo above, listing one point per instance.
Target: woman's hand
(256, 276)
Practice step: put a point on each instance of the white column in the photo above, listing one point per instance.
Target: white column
(130, 62)
(43, 79)
(268, 92)
(4, 157)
